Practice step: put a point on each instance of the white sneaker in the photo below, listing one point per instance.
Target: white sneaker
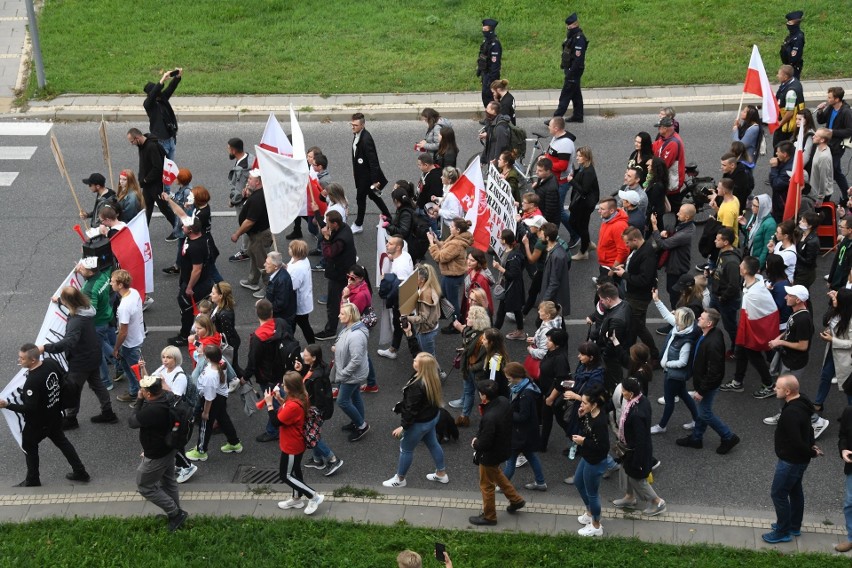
(689, 426)
(657, 429)
(394, 481)
(590, 530)
(819, 427)
(357, 229)
(387, 353)
(584, 519)
(314, 503)
(186, 473)
(147, 303)
(834, 381)
(662, 400)
(291, 504)
(438, 478)
(510, 316)
(233, 385)
(772, 420)
(521, 461)
(690, 393)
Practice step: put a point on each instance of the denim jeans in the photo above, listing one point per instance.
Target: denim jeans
(321, 451)
(587, 480)
(787, 495)
(169, 145)
(847, 507)
(371, 374)
(469, 394)
(451, 290)
(564, 215)
(671, 389)
(350, 402)
(129, 357)
(413, 435)
(532, 458)
(825, 378)
(707, 418)
(107, 335)
(427, 341)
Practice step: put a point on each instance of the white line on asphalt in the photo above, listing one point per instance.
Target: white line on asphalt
(17, 152)
(6, 178)
(25, 128)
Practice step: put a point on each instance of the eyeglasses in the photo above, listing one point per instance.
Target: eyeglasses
(351, 277)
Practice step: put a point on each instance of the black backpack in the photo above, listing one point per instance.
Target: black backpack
(287, 350)
(182, 419)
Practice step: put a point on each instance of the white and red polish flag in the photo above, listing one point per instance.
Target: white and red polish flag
(758, 317)
(797, 180)
(757, 83)
(274, 139)
(170, 171)
(470, 191)
(131, 247)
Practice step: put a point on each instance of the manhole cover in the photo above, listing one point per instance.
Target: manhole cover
(260, 475)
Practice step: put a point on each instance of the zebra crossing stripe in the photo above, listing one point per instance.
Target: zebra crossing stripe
(25, 128)
(17, 152)
(6, 178)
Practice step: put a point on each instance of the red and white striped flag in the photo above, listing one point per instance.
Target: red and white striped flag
(758, 318)
(797, 180)
(131, 247)
(274, 139)
(470, 191)
(170, 171)
(757, 83)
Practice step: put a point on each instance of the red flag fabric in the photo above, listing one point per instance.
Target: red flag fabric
(131, 247)
(170, 171)
(470, 191)
(759, 317)
(797, 181)
(465, 189)
(757, 83)
(314, 190)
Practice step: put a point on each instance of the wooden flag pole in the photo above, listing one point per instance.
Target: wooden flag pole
(60, 163)
(105, 146)
(274, 243)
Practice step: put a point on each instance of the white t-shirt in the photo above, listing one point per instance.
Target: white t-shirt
(176, 379)
(790, 258)
(208, 383)
(300, 274)
(130, 313)
(402, 266)
(336, 207)
(450, 207)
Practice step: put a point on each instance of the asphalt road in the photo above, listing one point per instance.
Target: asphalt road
(40, 248)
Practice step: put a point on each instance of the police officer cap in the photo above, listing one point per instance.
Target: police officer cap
(490, 23)
(798, 15)
(571, 19)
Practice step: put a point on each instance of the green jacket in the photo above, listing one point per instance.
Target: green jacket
(98, 289)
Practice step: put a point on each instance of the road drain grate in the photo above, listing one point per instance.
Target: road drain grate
(259, 475)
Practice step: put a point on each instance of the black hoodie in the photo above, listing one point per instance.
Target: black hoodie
(726, 283)
(794, 435)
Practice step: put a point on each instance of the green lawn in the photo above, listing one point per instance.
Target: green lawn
(266, 46)
(301, 543)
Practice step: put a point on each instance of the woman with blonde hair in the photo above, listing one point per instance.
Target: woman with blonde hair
(419, 412)
(129, 196)
(350, 360)
(472, 359)
(427, 309)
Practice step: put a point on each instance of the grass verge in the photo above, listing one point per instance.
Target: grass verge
(297, 542)
(262, 46)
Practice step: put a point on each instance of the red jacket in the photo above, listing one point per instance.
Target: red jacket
(611, 247)
(291, 416)
(672, 151)
(215, 339)
(360, 296)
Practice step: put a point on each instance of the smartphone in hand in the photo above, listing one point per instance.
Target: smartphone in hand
(440, 549)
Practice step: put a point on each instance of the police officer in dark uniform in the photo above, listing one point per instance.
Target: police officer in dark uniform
(573, 64)
(39, 402)
(793, 47)
(490, 59)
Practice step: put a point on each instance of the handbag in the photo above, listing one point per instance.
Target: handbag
(618, 450)
(498, 292)
(369, 317)
(533, 367)
(447, 308)
(312, 427)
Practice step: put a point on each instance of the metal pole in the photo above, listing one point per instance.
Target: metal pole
(39, 64)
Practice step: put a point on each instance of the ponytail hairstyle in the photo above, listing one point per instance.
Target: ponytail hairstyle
(214, 355)
(295, 386)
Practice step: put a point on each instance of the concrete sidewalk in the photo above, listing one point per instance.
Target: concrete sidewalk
(542, 514)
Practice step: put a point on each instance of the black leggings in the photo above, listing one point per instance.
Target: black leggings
(290, 472)
(218, 412)
(501, 315)
(579, 221)
(304, 323)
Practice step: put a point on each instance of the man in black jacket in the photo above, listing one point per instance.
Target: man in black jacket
(547, 190)
(338, 250)
(794, 446)
(489, 60)
(678, 244)
(369, 178)
(38, 400)
(151, 156)
(726, 284)
(161, 117)
(736, 171)
(555, 284)
(708, 370)
(837, 116)
(492, 446)
(613, 334)
(639, 274)
(155, 476)
(279, 289)
(838, 275)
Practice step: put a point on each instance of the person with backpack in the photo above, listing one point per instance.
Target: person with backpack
(105, 197)
(213, 388)
(176, 382)
(559, 151)
(496, 136)
(290, 418)
(315, 375)
(524, 400)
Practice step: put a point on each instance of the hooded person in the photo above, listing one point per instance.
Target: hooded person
(759, 228)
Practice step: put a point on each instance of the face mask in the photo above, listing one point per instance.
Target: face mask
(791, 27)
(231, 156)
(803, 226)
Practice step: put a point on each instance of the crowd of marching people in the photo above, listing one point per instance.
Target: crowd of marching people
(751, 299)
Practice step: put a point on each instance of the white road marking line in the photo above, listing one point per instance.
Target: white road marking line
(6, 178)
(25, 128)
(17, 152)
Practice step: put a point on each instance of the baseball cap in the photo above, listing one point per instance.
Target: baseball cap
(798, 291)
(630, 196)
(95, 179)
(535, 221)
